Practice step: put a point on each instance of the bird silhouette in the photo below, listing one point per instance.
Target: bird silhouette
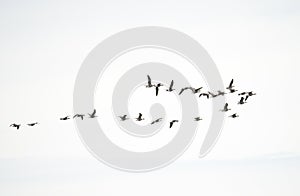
(212, 94)
(123, 118)
(65, 118)
(149, 85)
(93, 115)
(242, 101)
(232, 90)
(79, 116)
(157, 88)
(197, 90)
(139, 118)
(250, 93)
(156, 121)
(190, 88)
(15, 125)
(172, 122)
(32, 124)
(221, 93)
(170, 89)
(225, 109)
(205, 95)
(235, 115)
(230, 85)
(198, 119)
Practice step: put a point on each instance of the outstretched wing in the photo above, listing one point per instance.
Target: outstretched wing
(231, 83)
(181, 91)
(149, 80)
(171, 85)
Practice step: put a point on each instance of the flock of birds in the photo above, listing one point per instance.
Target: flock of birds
(243, 99)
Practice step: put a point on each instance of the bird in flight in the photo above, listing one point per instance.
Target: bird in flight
(242, 101)
(93, 115)
(205, 95)
(79, 116)
(156, 121)
(157, 88)
(123, 118)
(225, 109)
(170, 89)
(234, 115)
(221, 93)
(65, 118)
(149, 85)
(251, 93)
(232, 90)
(172, 122)
(230, 85)
(15, 125)
(32, 124)
(198, 119)
(190, 88)
(139, 118)
(213, 95)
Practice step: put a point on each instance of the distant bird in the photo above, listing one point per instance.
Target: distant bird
(204, 94)
(79, 116)
(170, 89)
(157, 88)
(234, 115)
(93, 115)
(65, 118)
(197, 90)
(213, 95)
(225, 109)
(149, 85)
(230, 85)
(232, 90)
(15, 125)
(172, 122)
(221, 93)
(250, 93)
(140, 117)
(190, 88)
(242, 101)
(32, 124)
(123, 118)
(156, 121)
(198, 119)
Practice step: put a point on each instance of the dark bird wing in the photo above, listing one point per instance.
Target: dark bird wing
(226, 106)
(149, 80)
(181, 91)
(140, 115)
(156, 91)
(171, 124)
(171, 85)
(231, 83)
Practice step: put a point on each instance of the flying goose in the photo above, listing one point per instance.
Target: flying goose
(123, 118)
(172, 122)
(79, 116)
(140, 117)
(15, 125)
(93, 115)
(170, 89)
(225, 109)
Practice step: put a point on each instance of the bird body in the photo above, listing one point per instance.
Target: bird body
(93, 115)
(172, 122)
(205, 95)
(15, 125)
(32, 124)
(170, 89)
(212, 94)
(230, 85)
(149, 85)
(157, 88)
(139, 118)
(123, 118)
(198, 119)
(156, 121)
(234, 115)
(65, 118)
(221, 93)
(79, 116)
(242, 101)
(225, 109)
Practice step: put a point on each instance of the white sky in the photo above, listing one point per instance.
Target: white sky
(43, 45)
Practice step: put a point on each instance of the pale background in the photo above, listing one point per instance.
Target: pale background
(43, 45)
